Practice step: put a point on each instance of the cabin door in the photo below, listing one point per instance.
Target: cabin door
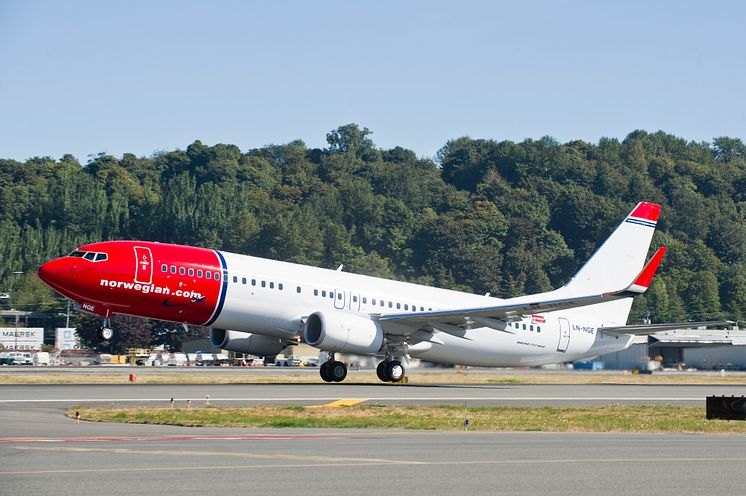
(143, 265)
(564, 335)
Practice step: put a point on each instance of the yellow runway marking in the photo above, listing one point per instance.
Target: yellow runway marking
(342, 402)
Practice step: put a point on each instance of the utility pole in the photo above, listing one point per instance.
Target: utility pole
(15, 346)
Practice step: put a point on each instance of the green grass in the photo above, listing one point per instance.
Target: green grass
(615, 418)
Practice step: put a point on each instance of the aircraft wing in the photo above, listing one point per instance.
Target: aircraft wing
(514, 308)
(644, 329)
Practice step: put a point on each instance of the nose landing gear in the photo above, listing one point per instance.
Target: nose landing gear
(105, 332)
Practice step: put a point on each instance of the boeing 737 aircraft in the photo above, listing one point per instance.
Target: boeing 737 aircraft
(261, 306)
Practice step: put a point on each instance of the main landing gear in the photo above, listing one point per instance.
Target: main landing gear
(390, 370)
(105, 332)
(333, 370)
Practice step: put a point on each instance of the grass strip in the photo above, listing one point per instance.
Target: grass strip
(498, 377)
(613, 418)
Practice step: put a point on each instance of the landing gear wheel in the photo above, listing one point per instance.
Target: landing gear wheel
(381, 371)
(105, 334)
(394, 371)
(324, 372)
(337, 371)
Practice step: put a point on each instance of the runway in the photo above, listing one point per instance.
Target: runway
(44, 452)
(376, 393)
(188, 461)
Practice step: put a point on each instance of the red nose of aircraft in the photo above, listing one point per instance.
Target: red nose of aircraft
(57, 272)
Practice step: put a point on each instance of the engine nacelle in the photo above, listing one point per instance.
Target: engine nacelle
(337, 331)
(246, 342)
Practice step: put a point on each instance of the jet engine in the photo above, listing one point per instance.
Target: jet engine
(337, 331)
(246, 342)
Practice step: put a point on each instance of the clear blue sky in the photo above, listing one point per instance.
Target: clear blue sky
(136, 76)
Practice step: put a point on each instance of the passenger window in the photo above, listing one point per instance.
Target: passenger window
(182, 271)
(264, 284)
(199, 273)
(297, 290)
(538, 328)
(190, 272)
(373, 301)
(354, 299)
(271, 285)
(365, 300)
(422, 309)
(164, 268)
(391, 305)
(398, 306)
(382, 302)
(406, 306)
(315, 292)
(243, 280)
(323, 293)
(253, 282)
(339, 296)
(524, 327)
(217, 276)
(235, 279)
(531, 328)
(100, 257)
(331, 295)
(279, 286)
(173, 269)
(208, 274)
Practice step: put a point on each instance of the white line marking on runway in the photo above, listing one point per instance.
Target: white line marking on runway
(285, 466)
(381, 398)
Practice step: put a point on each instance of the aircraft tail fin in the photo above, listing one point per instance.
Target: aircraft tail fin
(617, 262)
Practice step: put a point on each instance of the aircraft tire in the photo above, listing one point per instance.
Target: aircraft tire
(395, 371)
(381, 371)
(337, 371)
(324, 372)
(105, 334)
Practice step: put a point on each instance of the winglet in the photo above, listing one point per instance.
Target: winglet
(642, 283)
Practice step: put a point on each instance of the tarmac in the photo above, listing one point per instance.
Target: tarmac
(44, 452)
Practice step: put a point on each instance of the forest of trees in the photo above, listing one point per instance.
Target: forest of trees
(498, 216)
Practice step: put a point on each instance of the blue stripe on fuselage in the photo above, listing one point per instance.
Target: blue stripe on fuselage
(224, 290)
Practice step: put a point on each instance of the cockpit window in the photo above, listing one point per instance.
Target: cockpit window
(89, 255)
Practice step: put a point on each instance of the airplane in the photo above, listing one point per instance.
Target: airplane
(261, 306)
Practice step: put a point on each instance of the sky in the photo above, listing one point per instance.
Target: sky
(86, 77)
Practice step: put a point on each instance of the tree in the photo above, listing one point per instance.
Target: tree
(728, 149)
(702, 297)
(486, 215)
(129, 332)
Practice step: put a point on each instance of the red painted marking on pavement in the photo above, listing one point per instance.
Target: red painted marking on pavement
(119, 439)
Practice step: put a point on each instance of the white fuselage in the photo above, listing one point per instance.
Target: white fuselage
(273, 298)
